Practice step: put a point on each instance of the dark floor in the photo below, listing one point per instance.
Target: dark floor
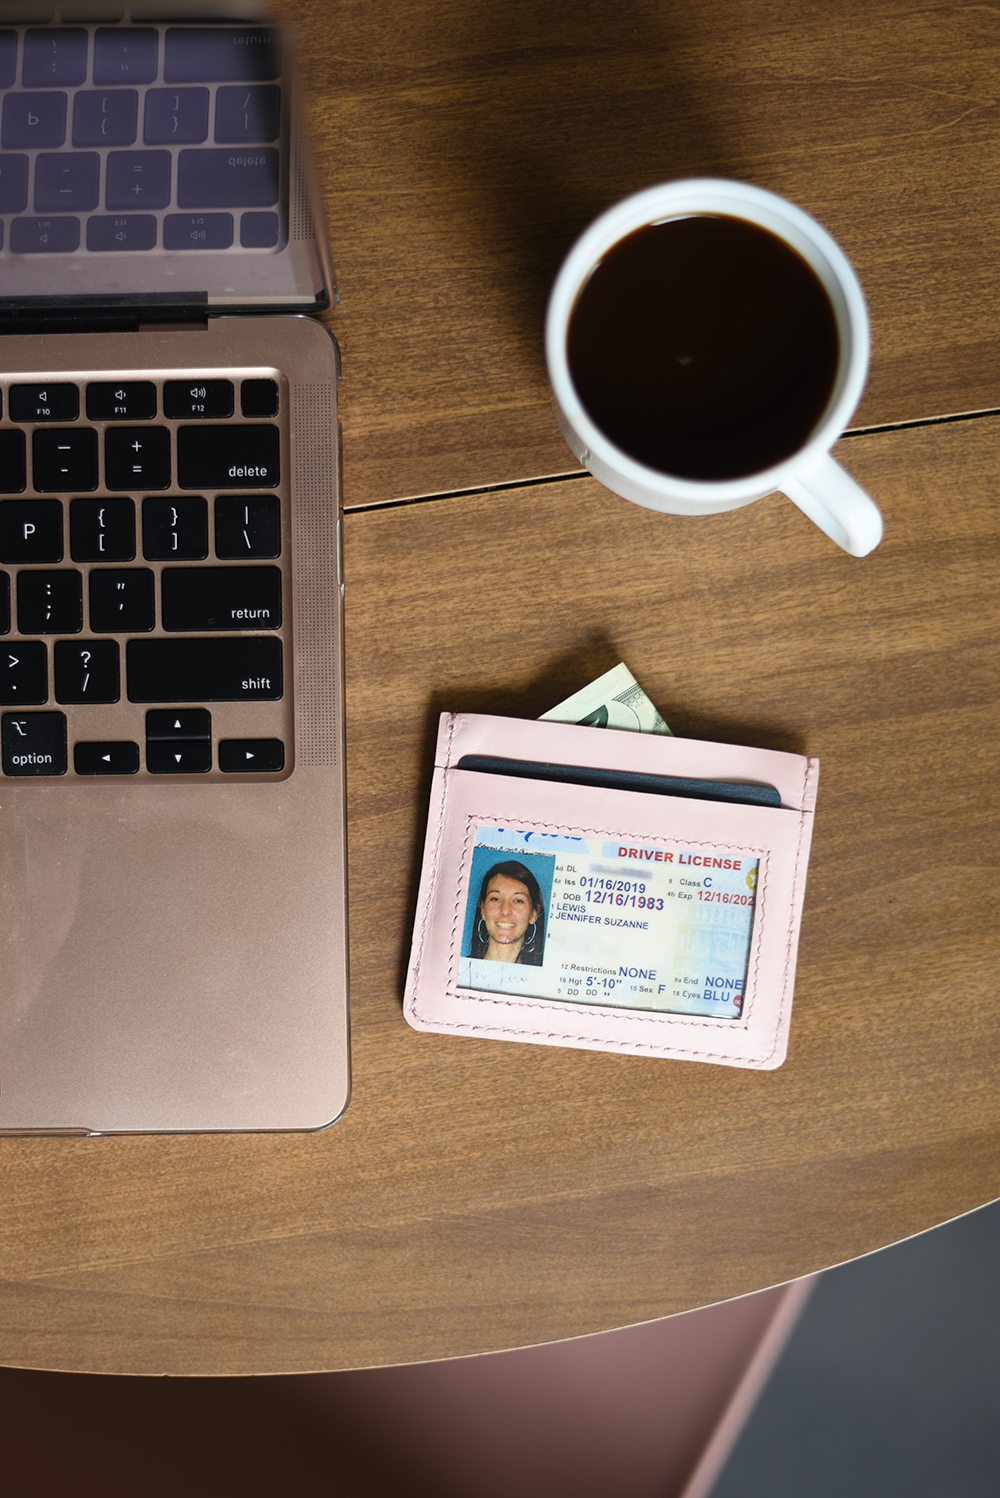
(888, 1388)
(890, 1384)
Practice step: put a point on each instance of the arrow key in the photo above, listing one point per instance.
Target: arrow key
(179, 758)
(170, 724)
(251, 756)
(120, 758)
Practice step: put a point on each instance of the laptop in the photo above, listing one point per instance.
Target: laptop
(172, 829)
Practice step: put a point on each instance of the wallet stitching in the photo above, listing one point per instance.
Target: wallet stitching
(548, 1005)
(790, 943)
(434, 862)
(603, 1042)
(757, 932)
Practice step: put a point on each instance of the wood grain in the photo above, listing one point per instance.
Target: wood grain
(479, 1195)
(463, 148)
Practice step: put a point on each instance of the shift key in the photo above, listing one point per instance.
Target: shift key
(228, 457)
(238, 669)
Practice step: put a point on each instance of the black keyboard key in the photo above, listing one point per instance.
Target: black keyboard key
(122, 601)
(121, 400)
(167, 725)
(49, 603)
(13, 467)
(44, 236)
(183, 399)
(87, 671)
(102, 530)
(4, 603)
(221, 598)
(44, 403)
(54, 57)
(175, 117)
(247, 525)
(125, 55)
(250, 756)
(197, 231)
(137, 179)
(136, 458)
(64, 458)
(136, 231)
(237, 669)
(67, 180)
(234, 178)
(259, 397)
(105, 117)
(175, 529)
(8, 58)
(179, 759)
(31, 530)
(231, 457)
(24, 672)
(207, 55)
(248, 115)
(34, 743)
(117, 758)
(13, 184)
(36, 121)
(259, 231)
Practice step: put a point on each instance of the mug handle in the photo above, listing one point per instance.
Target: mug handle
(839, 506)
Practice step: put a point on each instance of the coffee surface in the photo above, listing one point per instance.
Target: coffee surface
(705, 347)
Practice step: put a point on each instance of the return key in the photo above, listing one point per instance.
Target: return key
(221, 598)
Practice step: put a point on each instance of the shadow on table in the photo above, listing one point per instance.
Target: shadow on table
(585, 104)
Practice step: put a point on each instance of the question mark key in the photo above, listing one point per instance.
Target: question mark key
(87, 671)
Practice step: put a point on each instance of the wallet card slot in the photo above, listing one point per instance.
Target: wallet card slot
(624, 780)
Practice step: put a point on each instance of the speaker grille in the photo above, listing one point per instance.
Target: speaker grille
(317, 642)
(303, 226)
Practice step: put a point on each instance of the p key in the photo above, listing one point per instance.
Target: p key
(31, 530)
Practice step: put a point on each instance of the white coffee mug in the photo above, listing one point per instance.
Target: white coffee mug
(810, 477)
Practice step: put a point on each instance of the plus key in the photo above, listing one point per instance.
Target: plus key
(137, 458)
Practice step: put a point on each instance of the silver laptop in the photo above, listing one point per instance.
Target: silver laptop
(172, 840)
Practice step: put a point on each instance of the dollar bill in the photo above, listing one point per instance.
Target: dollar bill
(614, 700)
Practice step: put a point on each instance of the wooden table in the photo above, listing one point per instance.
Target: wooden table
(480, 1195)
(464, 148)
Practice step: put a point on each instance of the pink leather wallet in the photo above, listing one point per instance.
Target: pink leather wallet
(611, 891)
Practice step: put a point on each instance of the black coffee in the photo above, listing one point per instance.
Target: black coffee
(705, 347)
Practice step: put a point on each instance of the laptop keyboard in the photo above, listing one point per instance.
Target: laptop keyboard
(140, 138)
(144, 623)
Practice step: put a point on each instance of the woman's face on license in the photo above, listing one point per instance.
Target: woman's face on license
(507, 910)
